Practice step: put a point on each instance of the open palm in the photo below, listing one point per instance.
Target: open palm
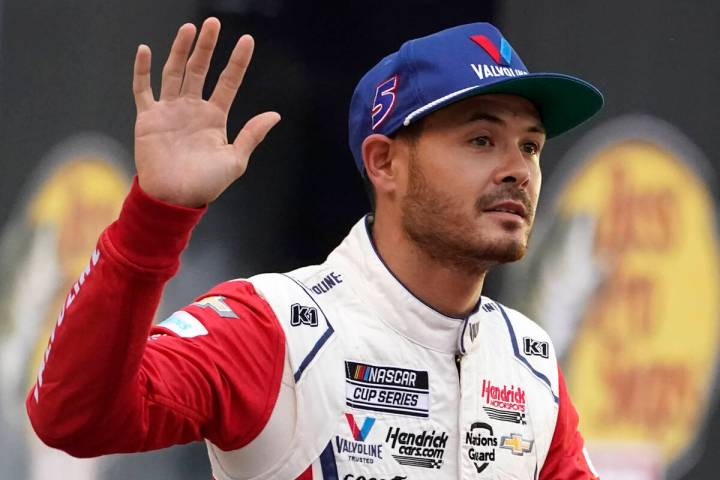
(182, 153)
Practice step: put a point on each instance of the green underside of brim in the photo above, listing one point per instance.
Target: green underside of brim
(563, 102)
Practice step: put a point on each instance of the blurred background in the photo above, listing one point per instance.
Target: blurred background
(623, 269)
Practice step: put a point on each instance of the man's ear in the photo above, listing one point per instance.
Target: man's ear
(378, 155)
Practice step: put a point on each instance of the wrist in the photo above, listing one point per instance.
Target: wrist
(173, 198)
(152, 233)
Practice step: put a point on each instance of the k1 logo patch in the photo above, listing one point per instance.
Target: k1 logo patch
(536, 347)
(301, 315)
(387, 389)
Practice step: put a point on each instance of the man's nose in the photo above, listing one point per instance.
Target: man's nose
(513, 168)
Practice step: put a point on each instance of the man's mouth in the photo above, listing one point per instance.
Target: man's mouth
(509, 206)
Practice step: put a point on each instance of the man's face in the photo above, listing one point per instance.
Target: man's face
(473, 180)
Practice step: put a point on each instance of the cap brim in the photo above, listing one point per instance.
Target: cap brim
(563, 102)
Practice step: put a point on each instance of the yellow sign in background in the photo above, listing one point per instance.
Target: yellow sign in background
(642, 364)
(78, 190)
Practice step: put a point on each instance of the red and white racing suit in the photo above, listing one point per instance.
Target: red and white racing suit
(333, 371)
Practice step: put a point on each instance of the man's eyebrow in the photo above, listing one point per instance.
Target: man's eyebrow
(477, 116)
(537, 128)
(487, 117)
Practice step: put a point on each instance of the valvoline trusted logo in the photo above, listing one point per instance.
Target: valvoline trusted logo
(360, 434)
(502, 56)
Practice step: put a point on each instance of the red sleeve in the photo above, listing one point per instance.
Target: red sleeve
(566, 459)
(104, 388)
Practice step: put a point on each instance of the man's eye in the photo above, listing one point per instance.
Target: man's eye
(531, 148)
(481, 141)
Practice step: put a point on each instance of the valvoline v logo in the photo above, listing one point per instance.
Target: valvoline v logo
(360, 434)
(501, 56)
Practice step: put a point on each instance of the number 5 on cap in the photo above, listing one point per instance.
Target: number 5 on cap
(384, 101)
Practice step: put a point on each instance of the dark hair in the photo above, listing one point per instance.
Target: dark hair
(411, 135)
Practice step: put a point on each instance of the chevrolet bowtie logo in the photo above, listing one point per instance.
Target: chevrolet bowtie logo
(516, 444)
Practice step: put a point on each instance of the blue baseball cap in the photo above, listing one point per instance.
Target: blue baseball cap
(432, 72)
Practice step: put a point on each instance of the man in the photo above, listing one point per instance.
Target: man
(384, 362)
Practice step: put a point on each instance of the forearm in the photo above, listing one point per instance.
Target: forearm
(89, 382)
(101, 388)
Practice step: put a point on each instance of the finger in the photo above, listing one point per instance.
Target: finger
(174, 68)
(141, 78)
(252, 134)
(232, 76)
(199, 62)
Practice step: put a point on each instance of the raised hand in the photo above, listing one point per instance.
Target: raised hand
(182, 153)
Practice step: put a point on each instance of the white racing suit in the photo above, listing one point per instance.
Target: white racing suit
(333, 371)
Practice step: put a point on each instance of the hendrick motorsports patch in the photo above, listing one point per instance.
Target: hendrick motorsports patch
(387, 389)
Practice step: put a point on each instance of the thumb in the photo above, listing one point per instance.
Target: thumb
(253, 133)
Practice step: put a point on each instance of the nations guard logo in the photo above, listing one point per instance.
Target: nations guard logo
(479, 445)
(626, 281)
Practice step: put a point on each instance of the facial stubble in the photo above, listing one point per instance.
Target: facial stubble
(434, 221)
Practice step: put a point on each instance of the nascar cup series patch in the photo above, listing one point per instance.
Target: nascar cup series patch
(387, 389)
